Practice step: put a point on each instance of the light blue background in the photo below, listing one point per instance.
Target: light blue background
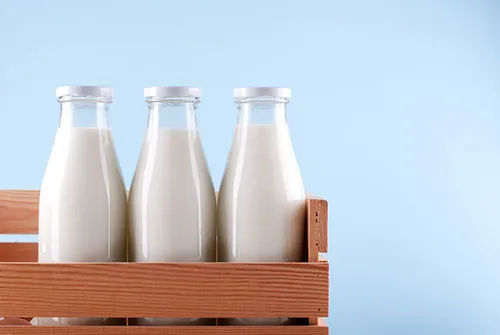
(395, 120)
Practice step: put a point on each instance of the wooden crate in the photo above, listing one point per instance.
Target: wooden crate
(207, 290)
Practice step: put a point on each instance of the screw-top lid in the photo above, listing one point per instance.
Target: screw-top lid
(172, 92)
(253, 92)
(84, 91)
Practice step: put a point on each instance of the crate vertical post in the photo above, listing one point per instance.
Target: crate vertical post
(317, 233)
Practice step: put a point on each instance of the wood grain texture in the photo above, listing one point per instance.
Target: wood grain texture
(314, 321)
(317, 228)
(19, 211)
(18, 252)
(171, 330)
(317, 233)
(210, 290)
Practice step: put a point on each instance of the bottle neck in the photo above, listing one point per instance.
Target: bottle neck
(262, 112)
(90, 113)
(179, 114)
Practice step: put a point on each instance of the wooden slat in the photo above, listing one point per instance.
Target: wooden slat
(208, 290)
(18, 252)
(171, 330)
(19, 212)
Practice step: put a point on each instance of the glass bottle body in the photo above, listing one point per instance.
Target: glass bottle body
(261, 208)
(83, 204)
(172, 200)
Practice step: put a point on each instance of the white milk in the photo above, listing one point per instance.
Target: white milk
(83, 205)
(172, 207)
(262, 208)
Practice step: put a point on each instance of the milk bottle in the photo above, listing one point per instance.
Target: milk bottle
(83, 204)
(262, 208)
(172, 206)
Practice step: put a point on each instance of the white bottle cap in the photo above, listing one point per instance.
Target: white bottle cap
(84, 91)
(172, 91)
(253, 92)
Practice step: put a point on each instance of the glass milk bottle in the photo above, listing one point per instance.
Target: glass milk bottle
(83, 204)
(262, 208)
(172, 200)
